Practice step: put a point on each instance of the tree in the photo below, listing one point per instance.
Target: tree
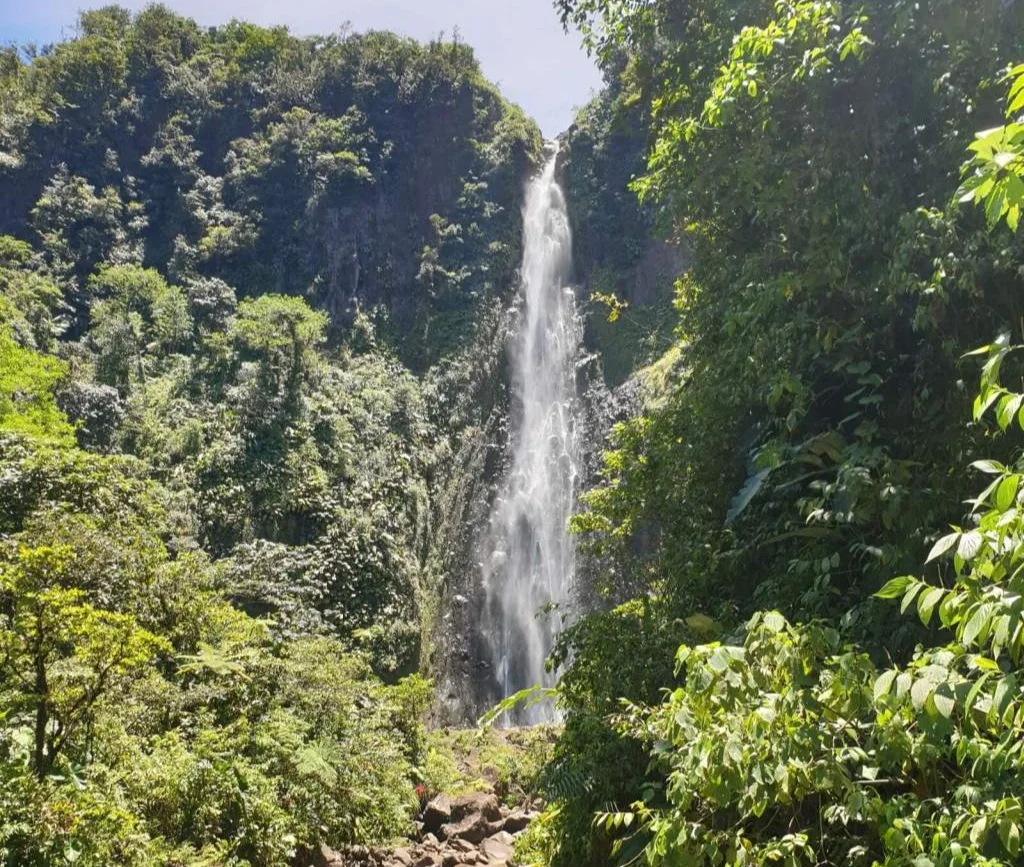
(59, 656)
(27, 383)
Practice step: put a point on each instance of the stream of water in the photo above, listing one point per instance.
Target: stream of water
(529, 558)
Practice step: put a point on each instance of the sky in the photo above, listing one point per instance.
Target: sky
(520, 43)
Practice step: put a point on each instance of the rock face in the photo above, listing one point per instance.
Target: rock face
(473, 829)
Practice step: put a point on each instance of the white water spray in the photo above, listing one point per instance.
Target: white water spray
(528, 555)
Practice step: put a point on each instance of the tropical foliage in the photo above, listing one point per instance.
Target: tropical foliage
(801, 443)
(253, 294)
(250, 287)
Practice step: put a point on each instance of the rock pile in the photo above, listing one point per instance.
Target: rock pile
(473, 829)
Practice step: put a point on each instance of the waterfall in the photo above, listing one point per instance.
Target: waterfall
(528, 563)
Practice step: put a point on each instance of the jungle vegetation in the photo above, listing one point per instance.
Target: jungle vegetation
(250, 284)
(251, 287)
(822, 611)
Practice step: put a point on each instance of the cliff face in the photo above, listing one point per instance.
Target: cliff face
(361, 172)
(183, 205)
(616, 247)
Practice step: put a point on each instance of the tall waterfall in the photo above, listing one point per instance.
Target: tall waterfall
(528, 555)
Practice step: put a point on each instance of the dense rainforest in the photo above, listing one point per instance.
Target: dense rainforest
(254, 290)
(251, 286)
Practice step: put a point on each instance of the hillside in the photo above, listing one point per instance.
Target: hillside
(253, 297)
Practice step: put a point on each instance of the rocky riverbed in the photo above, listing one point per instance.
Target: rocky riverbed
(472, 829)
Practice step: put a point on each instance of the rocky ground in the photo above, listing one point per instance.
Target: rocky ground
(472, 829)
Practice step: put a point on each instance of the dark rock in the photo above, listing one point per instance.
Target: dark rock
(437, 813)
(472, 828)
(325, 856)
(483, 803)
(516, 822)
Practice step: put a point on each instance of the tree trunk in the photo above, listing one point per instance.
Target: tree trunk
(39, 757)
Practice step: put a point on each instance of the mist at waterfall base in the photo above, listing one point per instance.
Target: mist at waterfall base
(528, 555)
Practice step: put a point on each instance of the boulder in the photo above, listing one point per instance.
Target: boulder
(484, 803)
(325, 856)
(437, 813)
(426, 860)
(402, 857)
(472, 828)
(516, 821)
(497, 851)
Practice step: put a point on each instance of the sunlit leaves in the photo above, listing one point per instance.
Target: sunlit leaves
(958, 704)
(943, 545)
(63, 654)
(28, 381)
(803, 34)
(993, 176)
(884, 683)
(796, 717)
(895, 588)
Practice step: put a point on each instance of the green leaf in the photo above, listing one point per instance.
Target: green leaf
(1007, 409)
(1013, 219)
(903, 683)
(979, 830)
(943, 700)
(1009, 836)
(991, 467)
(908, 599)
(895, 588)
(975, 624)
(983, 663)
(719, 660)
(927, 601)
(745, 495)
(981, 350)
(527, 697)
(1004, 693)
(884, 683)
(969, 545)
(1006, 493)
(920, 692)
(972, 696)
(1016, 104)
(984, 399)
(948, 609)
(942, 546)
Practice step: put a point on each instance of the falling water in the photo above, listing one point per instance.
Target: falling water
(529, 557)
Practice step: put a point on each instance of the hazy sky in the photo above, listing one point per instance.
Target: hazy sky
(520, 43)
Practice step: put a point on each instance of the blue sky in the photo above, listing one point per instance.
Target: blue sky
(520, 43)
